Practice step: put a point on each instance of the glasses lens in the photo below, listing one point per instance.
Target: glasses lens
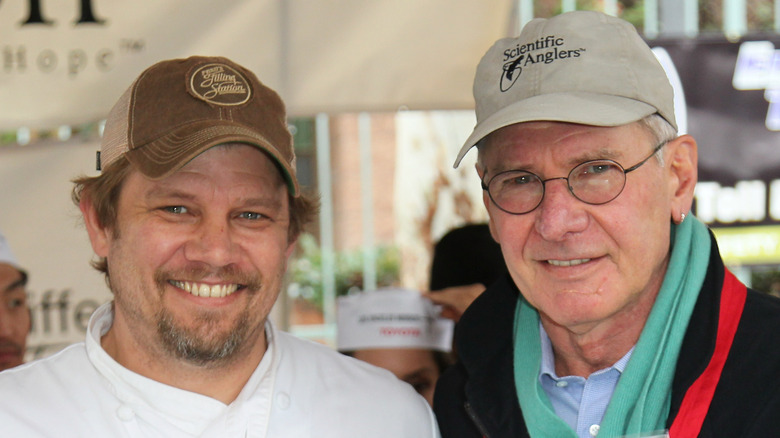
(516, 191)
(597, 182)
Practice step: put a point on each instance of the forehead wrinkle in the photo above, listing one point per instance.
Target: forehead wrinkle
(556, 143)
(586, 135)
(162, 190)
(189, 185)
(261, 201)
(602, 153)
(571, 161)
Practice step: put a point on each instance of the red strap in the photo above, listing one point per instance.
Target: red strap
(697, 399)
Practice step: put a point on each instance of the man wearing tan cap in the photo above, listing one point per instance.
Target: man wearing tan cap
(617, 317)
(14, 313)
(193, 218)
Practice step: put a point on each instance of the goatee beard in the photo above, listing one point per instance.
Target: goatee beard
(198, 345)
(194, 348)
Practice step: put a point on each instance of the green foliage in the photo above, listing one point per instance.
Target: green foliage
(7, 138)
(634, 13)
(305, 277)
(629, 10)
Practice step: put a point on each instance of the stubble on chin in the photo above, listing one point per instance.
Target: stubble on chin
(203, 343)
(198, 346)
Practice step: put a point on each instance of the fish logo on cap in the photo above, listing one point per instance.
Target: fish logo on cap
(510, 73)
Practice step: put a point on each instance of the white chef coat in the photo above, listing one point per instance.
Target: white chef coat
(299, 389)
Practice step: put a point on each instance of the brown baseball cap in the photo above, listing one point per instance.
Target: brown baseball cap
(177, 109)
(581, 67)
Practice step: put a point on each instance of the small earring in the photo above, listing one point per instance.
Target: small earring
(682, 217)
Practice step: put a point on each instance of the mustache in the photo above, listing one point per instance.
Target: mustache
(229, 274)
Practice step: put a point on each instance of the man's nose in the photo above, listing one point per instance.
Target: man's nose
(212, 243)
(560, 212)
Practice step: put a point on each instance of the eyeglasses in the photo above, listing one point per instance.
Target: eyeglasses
(593, 182)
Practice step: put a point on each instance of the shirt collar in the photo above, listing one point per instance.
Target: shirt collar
(548, 357)
(156, 402)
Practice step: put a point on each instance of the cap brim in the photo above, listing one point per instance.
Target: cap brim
(582, 108)
(164, 156)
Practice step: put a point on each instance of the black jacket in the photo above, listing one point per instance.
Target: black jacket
(476, 397)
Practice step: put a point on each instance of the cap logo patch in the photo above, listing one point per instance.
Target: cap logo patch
(544, 50)
(220, 84)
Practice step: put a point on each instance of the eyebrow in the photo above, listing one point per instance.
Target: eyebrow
(165, 192)
(572, 161)
(599, 154)
(21, 282)
(168, 193)
(421, 373)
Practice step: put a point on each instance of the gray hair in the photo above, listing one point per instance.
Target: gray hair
(661, 130)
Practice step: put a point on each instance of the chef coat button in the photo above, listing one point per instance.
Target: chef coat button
(561, 384)
(283, 400)
(594, 429)
(125, 413)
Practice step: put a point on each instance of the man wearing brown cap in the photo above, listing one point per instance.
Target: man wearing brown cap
(193, 218)
(617, 317)
(14, 313)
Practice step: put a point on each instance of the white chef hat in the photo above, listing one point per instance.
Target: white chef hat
(6, 256)
(391, 318)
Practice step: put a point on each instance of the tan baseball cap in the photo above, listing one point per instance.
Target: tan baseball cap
(581, 67)
(176, 109)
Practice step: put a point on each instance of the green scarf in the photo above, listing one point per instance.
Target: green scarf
(640, 403)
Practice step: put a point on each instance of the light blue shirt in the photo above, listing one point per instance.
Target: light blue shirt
(580, 402)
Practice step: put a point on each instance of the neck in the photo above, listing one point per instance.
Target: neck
(222, 381)
(585, 349)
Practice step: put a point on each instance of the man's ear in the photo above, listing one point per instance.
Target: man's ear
(291, 247)
(485, 197)
(683, 167)
(99, 236)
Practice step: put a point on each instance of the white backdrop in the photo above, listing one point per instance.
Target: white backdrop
(68, 64)
(44, 230)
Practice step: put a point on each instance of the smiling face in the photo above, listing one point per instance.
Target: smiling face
(196, 260)
(583, 265)
(14, 316)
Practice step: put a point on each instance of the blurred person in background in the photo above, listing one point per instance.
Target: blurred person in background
(465, 261)
(398, 330)
(14, 313)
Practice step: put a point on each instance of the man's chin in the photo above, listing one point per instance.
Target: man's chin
(203, 344)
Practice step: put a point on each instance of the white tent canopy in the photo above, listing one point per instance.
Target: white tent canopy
(65, 64)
